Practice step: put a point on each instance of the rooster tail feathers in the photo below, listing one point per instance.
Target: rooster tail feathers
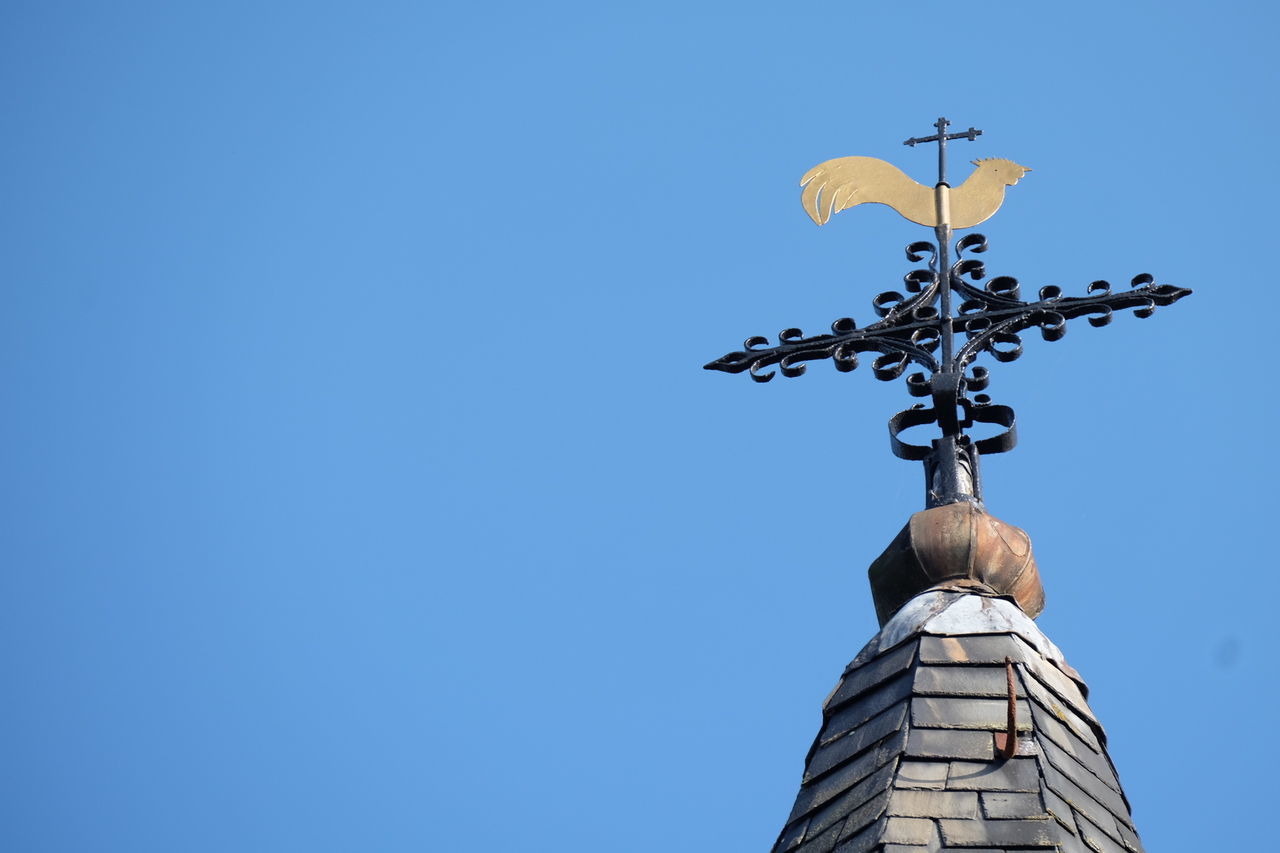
(844, 182)
(817, 203)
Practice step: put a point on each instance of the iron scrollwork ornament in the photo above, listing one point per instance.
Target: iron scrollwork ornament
(909, 331)
(920, 326)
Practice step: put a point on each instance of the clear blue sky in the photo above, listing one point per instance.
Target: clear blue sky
(362, 488)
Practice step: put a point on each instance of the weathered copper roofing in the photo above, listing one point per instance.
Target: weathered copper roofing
(957, 541)
(909, 757)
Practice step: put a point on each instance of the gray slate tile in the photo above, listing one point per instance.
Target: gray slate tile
(922, 774)
(1061, 740)
(1000, 834)
(965, 681)
(908, 830)
(1003, 805)
(1129, 837)
(868, 676)
(852, 800)
(792, 834)
(1059, 808)
(947, 712)
(1091, 735)
(1081, 803)
(870, 733)
(976, 648)
(951, 743)
(1096, 838)
(922, 803)
(874, 770)
(864, 708)
(866, 840)
(1085, 779)
(865, 815)
(1016, 774)
(1063, 687)
(1073, 844)
(822, 843)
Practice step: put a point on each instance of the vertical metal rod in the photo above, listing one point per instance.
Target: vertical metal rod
(945, 481)
(943, 233)
(942, 124)
(947, 486)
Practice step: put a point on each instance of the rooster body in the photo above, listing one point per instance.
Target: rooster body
(844, 182)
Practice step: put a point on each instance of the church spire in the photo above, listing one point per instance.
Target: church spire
(960, 725)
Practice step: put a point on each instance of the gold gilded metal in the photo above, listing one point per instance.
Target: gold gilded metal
(844, 182)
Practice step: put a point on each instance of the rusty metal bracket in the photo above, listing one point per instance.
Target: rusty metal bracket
(1007, 741)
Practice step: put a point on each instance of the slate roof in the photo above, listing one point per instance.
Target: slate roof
(907, 759)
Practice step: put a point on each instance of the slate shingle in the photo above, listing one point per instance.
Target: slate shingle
(1061, 735)
(906, 758)
(909, 830)
(857, 712)
(876, 764)
(864, 841)
(1002, 805)
(887, 722)
(859, 680)
(1096, 838)
(1059, 808)
(1000, 833)
(873, 792)
(823, 842)
(966, 712)
(918, 803)
(1086, 781)
(1088, 732)
(964, 681)
(922, 774)
(951, 743)
(978, 648)
(1081, 803)
(1015, 774)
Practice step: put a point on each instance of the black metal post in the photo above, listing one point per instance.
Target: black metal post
(942, 124)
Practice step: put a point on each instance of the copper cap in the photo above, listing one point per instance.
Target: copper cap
(956, 544)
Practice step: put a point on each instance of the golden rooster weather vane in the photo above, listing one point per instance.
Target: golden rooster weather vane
(841, 183)
(844, 182)
(921, 328)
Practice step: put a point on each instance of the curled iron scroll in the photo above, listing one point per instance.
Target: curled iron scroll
(976, 411)
(991, 316)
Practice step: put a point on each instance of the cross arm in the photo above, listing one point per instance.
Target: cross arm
(971, 134)
(911, 330)
(993, 317)
(898, 344)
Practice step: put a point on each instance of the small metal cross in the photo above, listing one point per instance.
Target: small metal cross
(941, 138)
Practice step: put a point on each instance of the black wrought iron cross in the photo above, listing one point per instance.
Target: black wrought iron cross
(913, 327)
